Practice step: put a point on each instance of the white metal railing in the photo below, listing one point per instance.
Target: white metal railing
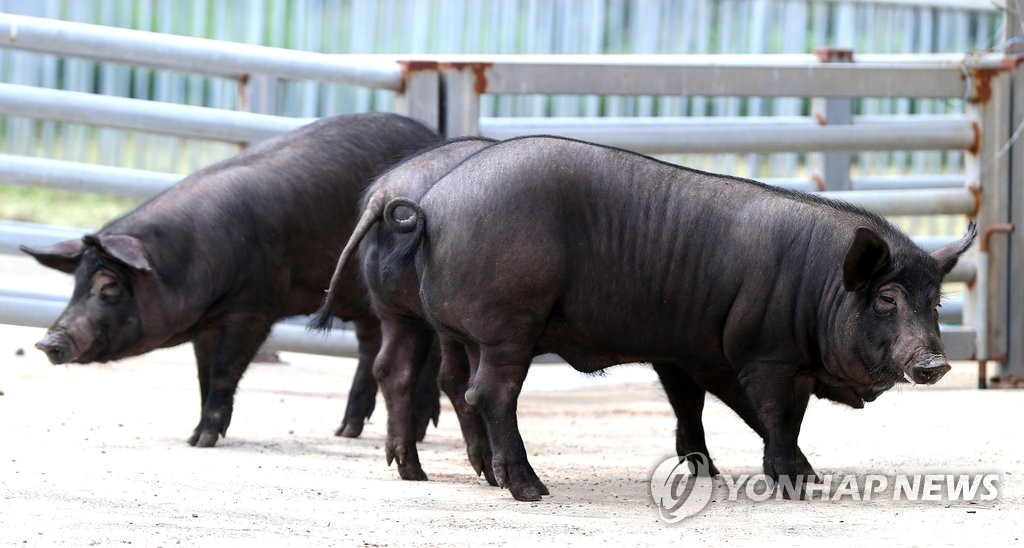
(466, 79)
(194, 55)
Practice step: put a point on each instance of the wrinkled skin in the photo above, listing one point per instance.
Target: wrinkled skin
(231, 249)
(761, 296)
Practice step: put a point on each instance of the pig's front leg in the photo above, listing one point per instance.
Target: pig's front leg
(779, 401)
(223, 353)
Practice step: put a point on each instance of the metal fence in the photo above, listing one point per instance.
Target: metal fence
(810, 114)
(487, 27)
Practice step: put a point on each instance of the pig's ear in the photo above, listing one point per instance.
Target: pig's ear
(127, 250)
(867, 257)
(949, 254)
(64, 256)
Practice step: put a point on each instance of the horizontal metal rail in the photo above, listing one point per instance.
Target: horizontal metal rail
(680, 135)
(17, 233)
(944, 201)
(724, 75)
(83, 177)
(194, 55)
(881, 182)
(903, 182)
(136, 114)
(138, 183)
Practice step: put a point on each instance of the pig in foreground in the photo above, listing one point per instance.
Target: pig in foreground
(222, 255)
(394, 292)
(386, 255)
(602, 256)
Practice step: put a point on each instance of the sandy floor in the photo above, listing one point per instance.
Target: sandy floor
(96, 455)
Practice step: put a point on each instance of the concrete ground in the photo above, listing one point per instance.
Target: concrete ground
(96, 455)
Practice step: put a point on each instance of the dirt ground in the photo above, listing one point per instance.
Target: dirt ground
(96, 455)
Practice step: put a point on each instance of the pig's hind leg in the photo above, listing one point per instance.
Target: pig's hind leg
(223, 353)
(397, 368)
(687, 399)
(428, 393)
(494, 391)
(455, 376)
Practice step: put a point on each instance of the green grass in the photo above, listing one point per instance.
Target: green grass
(58, 207)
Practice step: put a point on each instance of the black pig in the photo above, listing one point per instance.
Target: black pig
(222, 255)
(394, 291)
(602, 256)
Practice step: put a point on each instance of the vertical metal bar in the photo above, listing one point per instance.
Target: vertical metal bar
(1013, 34)
(922, 106)
(987, 169)
(795, 23)
(831, 170)
(758, 21)
(462, 102)
(421, 98)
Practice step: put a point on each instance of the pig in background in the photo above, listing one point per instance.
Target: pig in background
(222, 255)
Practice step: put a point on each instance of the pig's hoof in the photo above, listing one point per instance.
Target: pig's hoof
(206, 439)
(202, 439)
(520, 480)
(412, 472)
(528, 492)
(407, 459)
(350, 429)
(712, 470)
(804, 468)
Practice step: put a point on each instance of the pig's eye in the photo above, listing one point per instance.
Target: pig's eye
(886, 301)
(111, 291)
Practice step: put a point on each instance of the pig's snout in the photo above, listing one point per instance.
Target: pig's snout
(56, 347)
(929, 373)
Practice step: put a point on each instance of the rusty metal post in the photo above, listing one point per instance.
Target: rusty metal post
(1013, 40)
(420, 96)
(981, 284)
(987, 172)
(831, 170)
(463, 84)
